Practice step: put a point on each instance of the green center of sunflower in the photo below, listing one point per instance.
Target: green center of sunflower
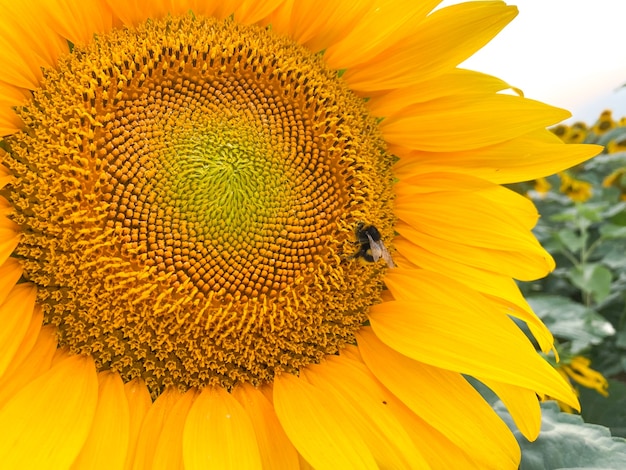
(188, 193)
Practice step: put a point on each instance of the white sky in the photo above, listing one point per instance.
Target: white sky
(569, 53)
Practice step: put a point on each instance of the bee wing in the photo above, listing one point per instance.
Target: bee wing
(375, 248)
(387, 257)
(379, 250)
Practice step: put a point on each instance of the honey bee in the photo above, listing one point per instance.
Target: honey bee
(371, 246)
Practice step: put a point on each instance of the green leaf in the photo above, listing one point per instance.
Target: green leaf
(570, 239)
(600, 282)
(618, 133)
(607, 163)
(594, 279)
(620, 338)
(611, 231)
(608, 359)
(571, 321)
(565, 215)
(590, 213)
(608, 411)
(566, 442)
(615, 210)
(619, 218)
(614, 255)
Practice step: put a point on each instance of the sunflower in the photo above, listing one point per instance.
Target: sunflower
(604, 123)
(577, 371)
(266, 234)
(542, 186)
(617, 179)
(574, 134)
(577, 190)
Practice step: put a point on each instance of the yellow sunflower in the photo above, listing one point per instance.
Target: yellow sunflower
(576, 371)
(577, 190)
(616, 145)
(617, 179)
(542, 186)
(604, 123)
(266, 234)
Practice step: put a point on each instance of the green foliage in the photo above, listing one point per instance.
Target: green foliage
(578, 327)
(566, 442)
(584, 301)
(610, 411)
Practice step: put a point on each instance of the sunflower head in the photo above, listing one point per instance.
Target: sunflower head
(254, 229)
(198, 184)
(577, 190)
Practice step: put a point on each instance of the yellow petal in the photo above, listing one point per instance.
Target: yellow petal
(364, 402)
(527, 157)
(427, 52)
(77, 21)
(304, 465)
(152, 426)
(10, 273)
(133, 13)
(468, 122)
(454, 82)
(218, 434)
(579, 371)
(522, 404)
(9, 238)
(139, 403)
(446, 401)
(504, 224)
(5, 178)
(525, 266)
(107, 443)
(440, 322)
(169, 449)
(277, 452)
(36, 362)
(451, 215)
(244, 11)
(32, 34)
(318, 25)
(253, 11)
(315, 425)
(10, 96)
(16, 313)
(13, 95)
(439, 451)
(46, 423)
(28, 342)
(24, 72)
(498, 288)
(377, 30)
(6, 209)
(61, 353)
(500, 199)
(9, 122)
